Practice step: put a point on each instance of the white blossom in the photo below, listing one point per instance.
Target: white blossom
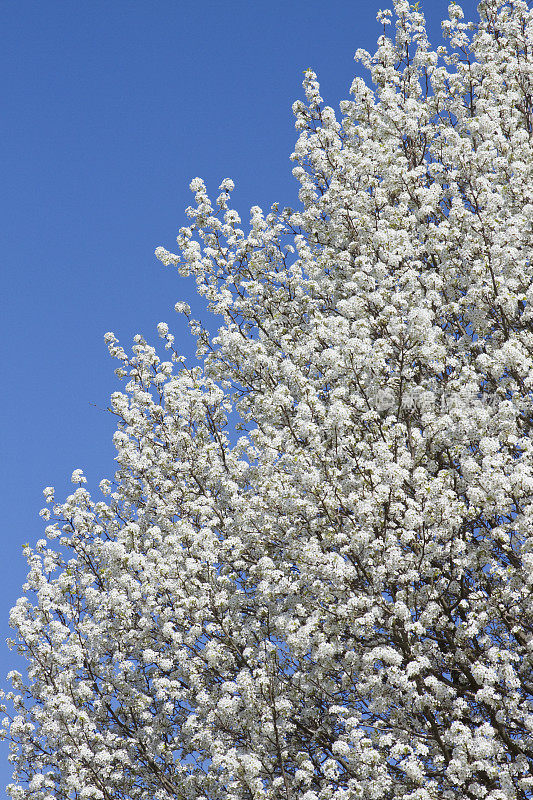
(333, 603)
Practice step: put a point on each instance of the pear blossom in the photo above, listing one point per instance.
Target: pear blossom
(310, 577)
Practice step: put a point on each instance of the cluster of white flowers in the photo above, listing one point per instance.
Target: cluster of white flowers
(338, 605)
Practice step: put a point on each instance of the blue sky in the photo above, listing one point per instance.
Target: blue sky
(110, 109)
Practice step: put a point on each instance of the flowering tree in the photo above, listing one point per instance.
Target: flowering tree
(336, 603)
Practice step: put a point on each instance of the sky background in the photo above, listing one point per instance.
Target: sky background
(109, 110)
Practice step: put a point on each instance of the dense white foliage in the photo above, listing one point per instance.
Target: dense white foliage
(335, 603)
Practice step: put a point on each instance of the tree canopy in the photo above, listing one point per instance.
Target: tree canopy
(329, 599)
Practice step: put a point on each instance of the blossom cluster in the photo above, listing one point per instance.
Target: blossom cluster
(335, 603)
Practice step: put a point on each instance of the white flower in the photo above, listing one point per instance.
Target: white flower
(332, 602)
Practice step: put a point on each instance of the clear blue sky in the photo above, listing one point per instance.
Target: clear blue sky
(109, 110)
